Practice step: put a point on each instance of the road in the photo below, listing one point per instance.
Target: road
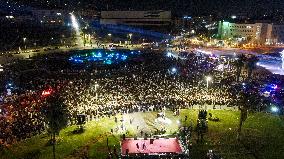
(7, 59)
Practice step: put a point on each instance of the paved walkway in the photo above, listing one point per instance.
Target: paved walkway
(217, 107)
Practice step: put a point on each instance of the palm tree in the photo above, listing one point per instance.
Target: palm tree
(239, 63)
(249, 100)
(56, 116)
(251, 65)
(243, 107)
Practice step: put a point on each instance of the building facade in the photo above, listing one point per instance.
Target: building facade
(276, 34)
(256, 33)
(136, 18)
(50, 17)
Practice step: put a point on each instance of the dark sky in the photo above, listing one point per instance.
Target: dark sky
(197, 7)
(180, 7)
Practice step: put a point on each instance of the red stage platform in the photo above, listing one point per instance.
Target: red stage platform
(159, 147)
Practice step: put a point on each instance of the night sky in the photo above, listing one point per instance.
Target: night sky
(179, 7)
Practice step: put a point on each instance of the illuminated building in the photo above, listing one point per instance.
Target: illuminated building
(15, 19)
(276, 34)
(88, 14)
(255, 33)
(136, 18)
(200, 25)
(50, 17)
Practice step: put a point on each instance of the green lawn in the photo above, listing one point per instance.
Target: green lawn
(263, 136)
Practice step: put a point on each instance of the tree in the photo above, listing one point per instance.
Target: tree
(239, 63)
(56, 116)
(247, 100)
(243, 107)
(251, 65)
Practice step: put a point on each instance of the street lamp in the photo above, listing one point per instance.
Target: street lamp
(130, 36)
(109, 34)
(208, 78)
(274, 109)
(24, 39)
(173, 70)
(96, 86)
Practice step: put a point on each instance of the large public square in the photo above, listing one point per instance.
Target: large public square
(139, 94)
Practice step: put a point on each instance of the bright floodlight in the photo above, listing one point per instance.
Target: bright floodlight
(208, 78)
(178, 122)
(274, 109)
(74, 22)
(174, 70)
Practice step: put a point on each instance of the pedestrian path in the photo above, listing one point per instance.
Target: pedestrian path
(216, 107)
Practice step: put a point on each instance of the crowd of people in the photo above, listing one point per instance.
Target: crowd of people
(20, 117)
(156, 83)
(147, 87)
